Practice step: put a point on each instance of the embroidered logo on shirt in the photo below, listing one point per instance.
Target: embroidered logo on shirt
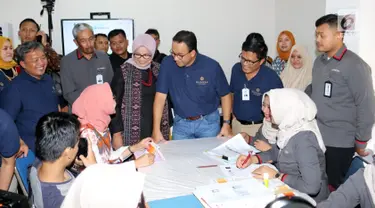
(336, 70)
(201, 81)
(256, 92)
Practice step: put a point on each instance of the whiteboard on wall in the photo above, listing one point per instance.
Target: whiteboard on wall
(99, 26)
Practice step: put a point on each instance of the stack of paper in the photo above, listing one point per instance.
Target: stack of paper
(244, 193)
(231, 149)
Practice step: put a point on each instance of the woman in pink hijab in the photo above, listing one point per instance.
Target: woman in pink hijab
(134, 87)
(94, 107)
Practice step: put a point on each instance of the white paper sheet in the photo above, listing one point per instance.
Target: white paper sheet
(235, 194)
(233, 148)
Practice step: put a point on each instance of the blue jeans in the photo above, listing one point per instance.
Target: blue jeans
(207, 126)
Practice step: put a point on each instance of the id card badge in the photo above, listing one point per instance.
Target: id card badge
(327, 89)
(245, 94)
(99, 79)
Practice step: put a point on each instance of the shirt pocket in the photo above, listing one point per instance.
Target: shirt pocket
(339, 86)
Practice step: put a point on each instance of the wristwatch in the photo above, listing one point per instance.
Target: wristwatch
(277, 175)
(226, 121)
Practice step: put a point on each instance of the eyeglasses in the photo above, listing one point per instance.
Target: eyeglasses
(145, 56)
(179, 56)
(247, 61)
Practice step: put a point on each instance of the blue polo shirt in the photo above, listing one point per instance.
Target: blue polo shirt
(26, 100)
(265, 80)
(9, 138)
(195, 90)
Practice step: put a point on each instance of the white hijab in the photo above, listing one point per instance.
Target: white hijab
(105, 185)
(293, 111)
(298, 78)
(369, 175)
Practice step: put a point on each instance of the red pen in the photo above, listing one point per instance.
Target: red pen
(247, 158)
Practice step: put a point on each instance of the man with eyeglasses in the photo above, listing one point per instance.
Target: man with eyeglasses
(249, 81)
(197, 85)
(85, 66)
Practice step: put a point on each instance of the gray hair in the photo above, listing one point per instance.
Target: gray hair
(26, 48)
(80, 27)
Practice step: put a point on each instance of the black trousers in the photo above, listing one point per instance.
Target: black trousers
(338, 161)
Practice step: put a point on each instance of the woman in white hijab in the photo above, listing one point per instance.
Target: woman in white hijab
(299, 149)
(298, 71)
(104, 185)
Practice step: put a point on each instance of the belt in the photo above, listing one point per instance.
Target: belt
(249, 122)
(193, 118)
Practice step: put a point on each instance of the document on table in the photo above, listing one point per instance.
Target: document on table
(244, 193)
(231, 149)
(231, 170)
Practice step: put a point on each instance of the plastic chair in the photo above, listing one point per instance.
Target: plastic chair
(22, 171)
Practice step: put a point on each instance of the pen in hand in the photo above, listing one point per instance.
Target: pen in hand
(247, 158)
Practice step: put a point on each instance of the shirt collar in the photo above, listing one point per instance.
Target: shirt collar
(339, 54)
(80, 55)
(27, 76)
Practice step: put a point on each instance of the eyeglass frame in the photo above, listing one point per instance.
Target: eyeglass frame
(180, 57)
(138, 56)
(247, 61)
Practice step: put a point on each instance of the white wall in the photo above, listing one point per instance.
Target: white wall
(367, 33)
(299, 16)
(221, 26)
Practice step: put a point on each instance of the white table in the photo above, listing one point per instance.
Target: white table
(178, 175)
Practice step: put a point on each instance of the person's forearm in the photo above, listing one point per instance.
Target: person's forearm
(226, 105)
(117, 141)
(6, 172)
(158, 110)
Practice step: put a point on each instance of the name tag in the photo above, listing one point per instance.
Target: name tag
(99, 79)
(245, 94)
(328, 89)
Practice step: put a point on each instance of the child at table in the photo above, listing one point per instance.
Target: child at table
(299, 149)
(94, 107)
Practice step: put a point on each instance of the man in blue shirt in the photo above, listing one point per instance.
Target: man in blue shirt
(31, 94)
(196, 84)
(9, 146)
(249, 81)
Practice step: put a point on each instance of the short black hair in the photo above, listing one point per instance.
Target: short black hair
(255, 37)
(54, 133)
(101, 35)
(152, 31)
(330, 19)
(259, 48)
(26, 48)
(289, 202)
(30, 20)
(188, 38)
(116, 32)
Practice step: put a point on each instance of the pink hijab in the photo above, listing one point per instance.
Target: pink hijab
(95, 105)
(146, 41)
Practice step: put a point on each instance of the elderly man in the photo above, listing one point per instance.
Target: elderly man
(84, 66)
(31, 94)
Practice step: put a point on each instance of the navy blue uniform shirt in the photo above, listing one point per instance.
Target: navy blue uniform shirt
(195, 90)
(265, 80)
(9, 138)
(26, 100)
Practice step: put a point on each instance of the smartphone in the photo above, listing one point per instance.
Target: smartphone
(82, 147)
(39, 38)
